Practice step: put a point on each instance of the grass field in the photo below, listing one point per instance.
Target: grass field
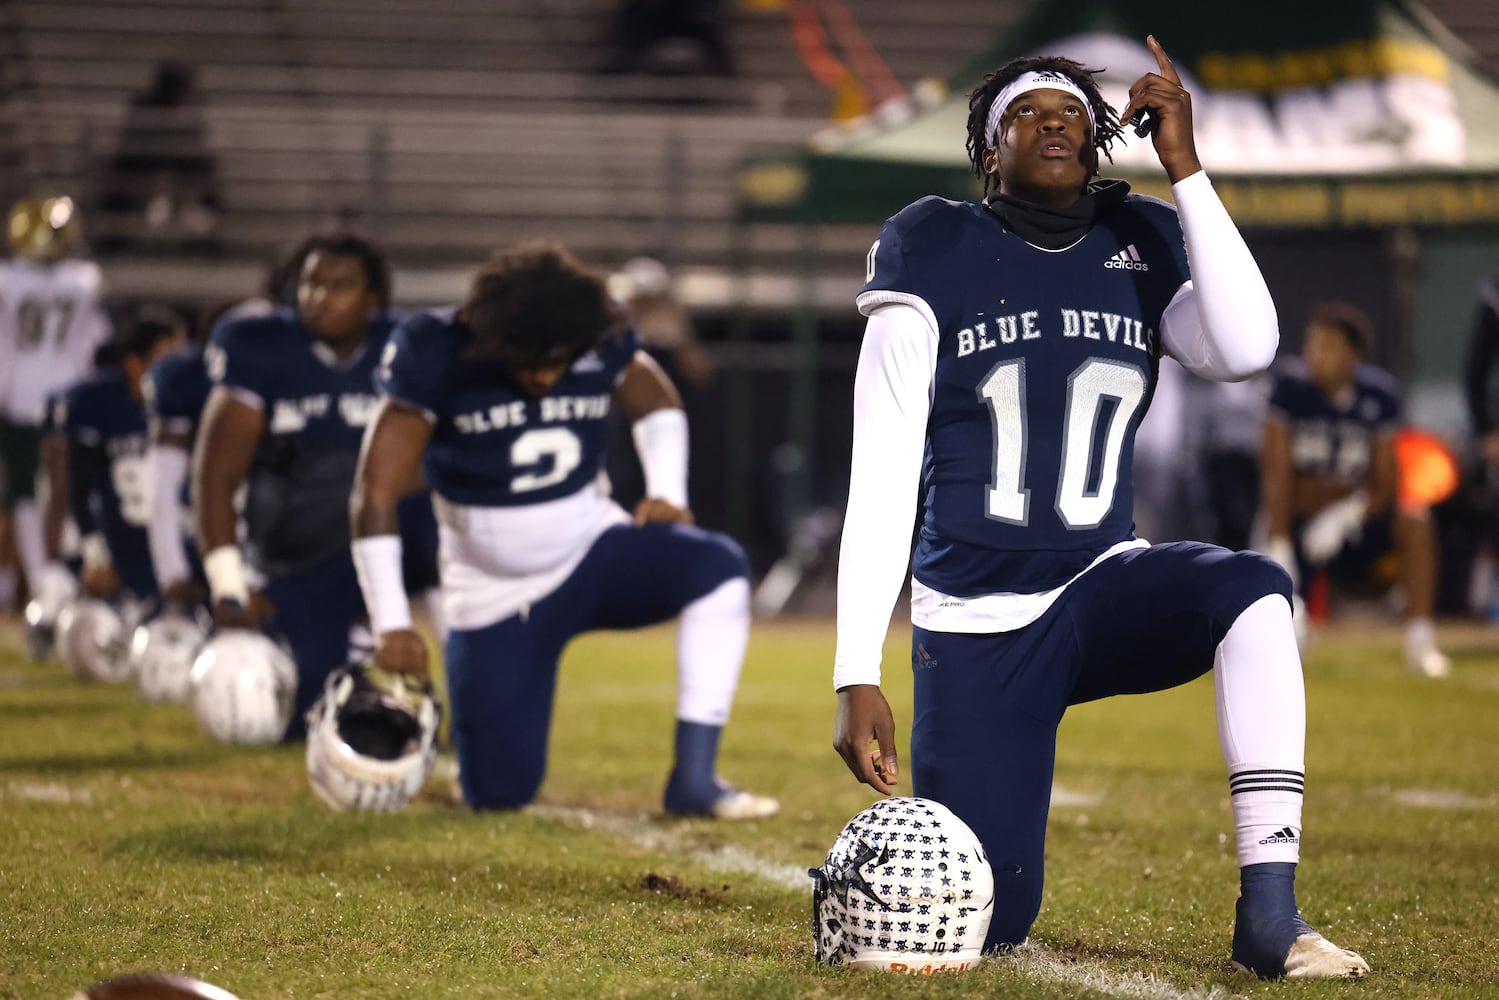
(128, 841)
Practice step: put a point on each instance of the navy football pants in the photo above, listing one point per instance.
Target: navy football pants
(987, 707)
(314, 611)
(502, 679)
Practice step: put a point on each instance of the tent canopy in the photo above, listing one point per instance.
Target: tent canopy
(1341, 113)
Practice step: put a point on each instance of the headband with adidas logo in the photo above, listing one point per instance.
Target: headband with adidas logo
(1026, 83)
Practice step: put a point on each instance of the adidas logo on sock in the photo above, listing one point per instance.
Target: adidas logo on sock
(1285, 835)
(1128, 259)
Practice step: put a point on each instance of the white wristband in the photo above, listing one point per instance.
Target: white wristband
(377, 560)
(95, 550)
(225, 570)
(661, 443)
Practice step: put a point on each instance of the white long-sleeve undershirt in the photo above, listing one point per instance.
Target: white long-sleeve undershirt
(1220, 324)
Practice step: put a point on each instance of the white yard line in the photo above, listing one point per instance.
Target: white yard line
(30, 791)
(1441, 798)
(1031, 959)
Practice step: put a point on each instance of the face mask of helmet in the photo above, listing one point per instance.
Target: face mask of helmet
(371, 740)
(906, 888)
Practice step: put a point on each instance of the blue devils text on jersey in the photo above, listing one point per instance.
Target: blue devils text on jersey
(1041, 381)
(493, 446)
(316, 407)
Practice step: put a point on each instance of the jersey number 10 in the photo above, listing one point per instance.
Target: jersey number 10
(1102, 399)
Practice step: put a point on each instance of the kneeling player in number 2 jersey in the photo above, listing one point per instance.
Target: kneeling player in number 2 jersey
(504, 406)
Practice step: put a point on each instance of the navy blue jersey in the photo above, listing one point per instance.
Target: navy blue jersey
(1335, 438)
(492, 445)
(106, 430)
(316, 407)
(1046, 362)
(175, 390)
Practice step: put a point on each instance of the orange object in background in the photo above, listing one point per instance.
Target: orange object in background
(1427, 469)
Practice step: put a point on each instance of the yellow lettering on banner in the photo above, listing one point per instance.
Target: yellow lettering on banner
(1472, 200)
(1259, 203)
(1355, 59)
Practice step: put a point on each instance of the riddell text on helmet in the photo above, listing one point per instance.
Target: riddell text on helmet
(927, 970)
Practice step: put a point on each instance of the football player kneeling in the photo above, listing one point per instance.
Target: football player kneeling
(371, 739)
(906, 888)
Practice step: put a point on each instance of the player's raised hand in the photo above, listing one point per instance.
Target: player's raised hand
(864, 736)
(654, 510)
(1160, 104)
(402, 651)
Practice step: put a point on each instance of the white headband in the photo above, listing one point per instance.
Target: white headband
(1025, 84)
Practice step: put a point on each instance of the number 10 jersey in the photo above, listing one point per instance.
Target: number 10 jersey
(1045, 366)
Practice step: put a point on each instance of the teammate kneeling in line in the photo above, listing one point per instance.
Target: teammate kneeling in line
(503, 404)
(1011, 351)
(292, 392)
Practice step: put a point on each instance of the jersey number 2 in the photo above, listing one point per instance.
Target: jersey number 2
(1102, 398)
(534, 448)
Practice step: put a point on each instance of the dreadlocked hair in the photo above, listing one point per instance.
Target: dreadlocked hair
(535, 304)
(1107, 126)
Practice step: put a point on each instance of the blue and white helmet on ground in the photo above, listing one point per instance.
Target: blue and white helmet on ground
(162, 652)
(371, 739)
(91, 640)
(906, 888)
(243, 687)
(56, 589)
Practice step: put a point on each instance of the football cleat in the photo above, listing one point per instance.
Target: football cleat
(1423, 657)
(243, 687)
(371, 739)
(736, 803)
(1312, 956)
(91, 641)
(906, 888)
(162, 652)
(1271, 940)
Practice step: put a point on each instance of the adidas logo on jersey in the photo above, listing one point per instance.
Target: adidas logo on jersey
(1128, 259)
(1285, 835)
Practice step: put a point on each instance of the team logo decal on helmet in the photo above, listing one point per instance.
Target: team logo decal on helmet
(906, 888)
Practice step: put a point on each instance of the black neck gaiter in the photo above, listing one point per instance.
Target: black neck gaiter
(1056, 228)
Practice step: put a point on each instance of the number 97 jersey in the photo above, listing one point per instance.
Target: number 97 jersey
(492, 445)
(1045, 365)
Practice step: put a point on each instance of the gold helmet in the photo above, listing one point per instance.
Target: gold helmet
(43, 228)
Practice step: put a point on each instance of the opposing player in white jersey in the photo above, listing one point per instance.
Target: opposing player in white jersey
(504, 406)
(51, 320)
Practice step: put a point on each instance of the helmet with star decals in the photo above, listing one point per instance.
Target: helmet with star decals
(906, 888)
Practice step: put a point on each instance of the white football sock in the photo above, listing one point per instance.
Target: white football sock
(1262, 730)
(710, 652)
(31, 543)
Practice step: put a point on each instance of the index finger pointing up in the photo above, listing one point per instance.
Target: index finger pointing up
(1162, 60)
